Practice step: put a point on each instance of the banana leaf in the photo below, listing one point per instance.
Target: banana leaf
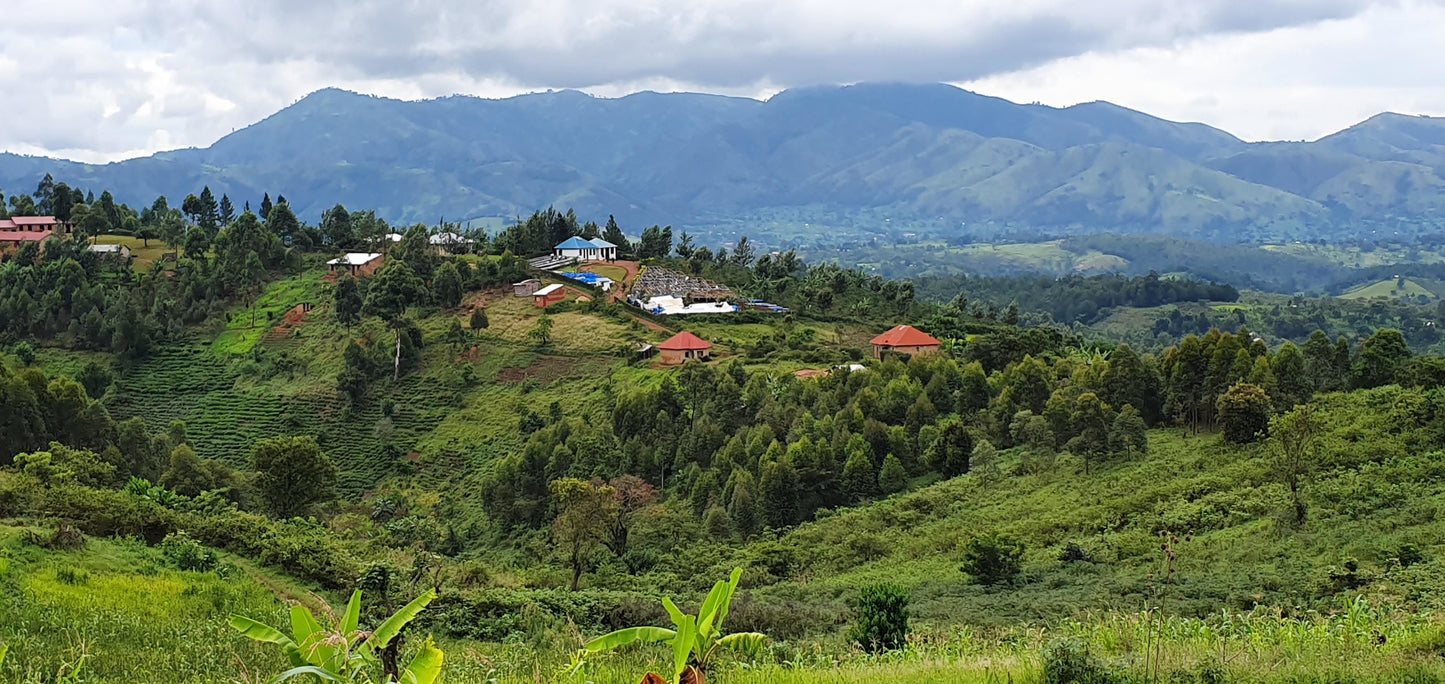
(623, 637)
(425, 667)
(353, 614)
(392, 626)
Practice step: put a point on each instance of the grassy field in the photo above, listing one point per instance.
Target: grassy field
(116, 612)
(1389, 288)
(144, 252)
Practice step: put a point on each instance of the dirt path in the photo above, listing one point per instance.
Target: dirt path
(632, 268)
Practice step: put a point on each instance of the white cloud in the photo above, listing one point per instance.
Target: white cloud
(133, 76)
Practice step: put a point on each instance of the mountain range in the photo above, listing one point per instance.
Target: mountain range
(923, 153)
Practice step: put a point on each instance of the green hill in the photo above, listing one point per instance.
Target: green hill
(1392, 288)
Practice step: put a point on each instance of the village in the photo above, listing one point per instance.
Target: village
(595, 266)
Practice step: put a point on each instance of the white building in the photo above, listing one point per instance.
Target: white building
(581, 249)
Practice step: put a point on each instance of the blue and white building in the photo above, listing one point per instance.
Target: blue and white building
(582, 249)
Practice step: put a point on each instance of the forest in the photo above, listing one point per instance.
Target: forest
(1036, 501)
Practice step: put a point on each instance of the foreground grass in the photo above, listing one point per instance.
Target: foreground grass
(113, 612)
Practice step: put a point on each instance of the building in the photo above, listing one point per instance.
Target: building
(447, 243)
(526, 288)
(18, 230)
(118, 251)
(905, 339)
(684, 346)
(548, 296)
(355, 263)
(581, 249)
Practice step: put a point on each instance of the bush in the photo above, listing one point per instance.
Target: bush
(106, 513)
(882, 618)
(1071, 662)
(1244, 413)
(992, 559)
(184, 553)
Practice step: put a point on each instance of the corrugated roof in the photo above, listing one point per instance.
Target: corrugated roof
(601, 244)
(685, 341)
(354, 259)
(35, 220)
(24, 235)
(547, 290)
(576, 243)
(905, 336)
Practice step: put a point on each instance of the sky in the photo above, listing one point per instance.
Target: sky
(103, 80)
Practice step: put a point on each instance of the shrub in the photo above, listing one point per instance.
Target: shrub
(1071, 662)
(882, 618)
(72, 577)
(106, 513)
(1073, 553)
(992, 559)
(184, 553)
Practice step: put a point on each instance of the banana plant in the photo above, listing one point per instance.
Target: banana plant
(341, 651)
(695, 639)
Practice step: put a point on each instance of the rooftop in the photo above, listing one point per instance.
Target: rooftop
(23, 235)
(354, 259)
(685, 341)
(547, 290)
(906, 336)
(576, 243)
(105, 249)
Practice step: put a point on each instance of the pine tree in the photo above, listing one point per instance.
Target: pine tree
(447, 286)
(780, 493)
(892, 478)
(266, 206)
(860, 478)
(228, 210)
(1295, 386)
(743, 510)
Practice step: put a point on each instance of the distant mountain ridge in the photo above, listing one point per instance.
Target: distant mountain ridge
(911, 152)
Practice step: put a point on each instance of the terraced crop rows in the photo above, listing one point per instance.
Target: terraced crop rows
(189, 383)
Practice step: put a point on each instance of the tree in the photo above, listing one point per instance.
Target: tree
(950, 454)
(743, 509)
(228, 210)
(283, 222)
(882, 618)
(447, 286)
(209, 216)
(1129, 435)
(1091, 420)
(266, 206)
(479, 320)
(1291, 377)
(95, 378)
(860, 477)
(992, 559)
(1295, 451)
(394, 288)
(892, 478)
(779, 485)
(743, 252)
(632, 495)
(587, 512)
(1244, 413)
(1381, 357)
(1126, 380)
(292, 474)
(543, 332)
(613, 234)
(1319, 361)
(186, 475)
(348, 300)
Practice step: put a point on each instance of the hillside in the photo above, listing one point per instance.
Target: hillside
(837, 162)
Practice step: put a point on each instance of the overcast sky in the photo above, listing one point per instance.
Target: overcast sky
(99, 80)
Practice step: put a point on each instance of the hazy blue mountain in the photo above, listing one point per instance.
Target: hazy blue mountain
(911, 152)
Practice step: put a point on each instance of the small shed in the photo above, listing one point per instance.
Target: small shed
(548, 296)
(905, 339)
(355, 263)
(114, 251)
(682, 347)
(526, 288)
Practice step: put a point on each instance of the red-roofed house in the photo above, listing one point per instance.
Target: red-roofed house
(906, 339)
(19, 230)
(683, 346)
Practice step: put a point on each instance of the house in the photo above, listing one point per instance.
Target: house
(18, 230)
(582, 249)
(119, 251)
(548, 296)
(526, 288)
(905, 339)
(684, 346)
(446, 243)
(355, 263)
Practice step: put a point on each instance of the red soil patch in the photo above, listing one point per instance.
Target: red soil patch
(810, 373)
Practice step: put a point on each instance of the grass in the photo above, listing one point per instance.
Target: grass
(144, 253)
(248, 325)
(1389, 288)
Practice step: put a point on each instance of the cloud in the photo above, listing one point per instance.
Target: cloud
(131, 76)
